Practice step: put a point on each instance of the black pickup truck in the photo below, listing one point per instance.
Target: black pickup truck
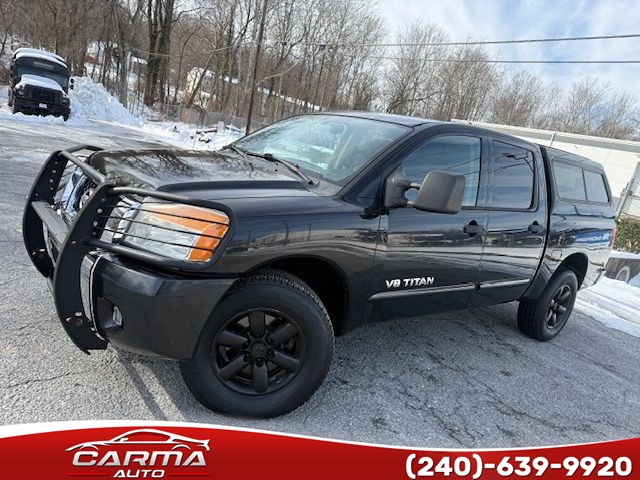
(243, 263)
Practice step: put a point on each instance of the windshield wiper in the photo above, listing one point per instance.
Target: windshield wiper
(239, 151)
(292, 167)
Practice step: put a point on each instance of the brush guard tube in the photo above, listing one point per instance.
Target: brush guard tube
(42, 223)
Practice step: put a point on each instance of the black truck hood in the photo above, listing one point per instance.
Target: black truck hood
(212, 174)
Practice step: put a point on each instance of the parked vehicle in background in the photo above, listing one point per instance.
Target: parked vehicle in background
(242, 263)
(40, 83)
(623, 266)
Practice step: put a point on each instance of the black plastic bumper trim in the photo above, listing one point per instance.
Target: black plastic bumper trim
(161, 315)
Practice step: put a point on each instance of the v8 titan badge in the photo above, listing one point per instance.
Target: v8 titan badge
(410, 282)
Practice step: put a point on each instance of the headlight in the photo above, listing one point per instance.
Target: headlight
(20, 91)
(176, 231)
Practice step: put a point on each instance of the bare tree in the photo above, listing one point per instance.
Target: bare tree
(412, 79)
(316, 54)
(159, 20)
(619, 118)
(184, 34)
(7, 22)
(517, 99)
(589, 108)
(126, 19)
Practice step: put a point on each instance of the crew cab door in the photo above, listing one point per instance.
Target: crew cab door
(517, 208)
(428, 262)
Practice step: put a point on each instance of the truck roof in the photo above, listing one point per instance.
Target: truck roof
(40, 55)
(556, 153)
(37, 51)
(408, 121)
(385, 117)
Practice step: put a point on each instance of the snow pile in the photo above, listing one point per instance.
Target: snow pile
(91, 101)
(614, 303)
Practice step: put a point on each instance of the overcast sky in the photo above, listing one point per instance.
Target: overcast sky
(514, 19)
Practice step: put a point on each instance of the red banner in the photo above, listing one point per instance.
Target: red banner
(183, 451)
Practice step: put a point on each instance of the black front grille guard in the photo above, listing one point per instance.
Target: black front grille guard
(80, 238)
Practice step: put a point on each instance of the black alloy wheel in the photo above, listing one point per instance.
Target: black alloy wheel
(558, 307)
(265, 349)
(258, 351)
(544, 317)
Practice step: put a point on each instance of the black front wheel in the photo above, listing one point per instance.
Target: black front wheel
(265, 350)
(545, 317)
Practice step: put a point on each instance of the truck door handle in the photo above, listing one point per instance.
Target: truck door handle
(535, 227)
(472, 228)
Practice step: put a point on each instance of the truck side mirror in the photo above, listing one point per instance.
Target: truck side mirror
(440, 192)
(71, 84)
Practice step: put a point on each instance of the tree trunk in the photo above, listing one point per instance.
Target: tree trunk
(160, 18)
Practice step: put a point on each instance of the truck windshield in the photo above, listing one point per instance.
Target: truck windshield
(331, 147)
(59, 78)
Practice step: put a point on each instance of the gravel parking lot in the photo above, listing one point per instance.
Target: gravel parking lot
(465, 379)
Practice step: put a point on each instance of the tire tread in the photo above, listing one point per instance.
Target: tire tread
(530, 318)
(268, 277)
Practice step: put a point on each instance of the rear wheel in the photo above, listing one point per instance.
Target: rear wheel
(265, 350)
(624, 274)
(545, 317)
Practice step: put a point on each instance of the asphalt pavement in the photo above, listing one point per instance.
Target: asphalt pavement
(462, 379)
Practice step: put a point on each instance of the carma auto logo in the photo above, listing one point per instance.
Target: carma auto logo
(143, 453)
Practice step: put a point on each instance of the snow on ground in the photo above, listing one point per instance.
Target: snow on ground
(621, 254)
(614, 303)
(91, 103)
(190, 137)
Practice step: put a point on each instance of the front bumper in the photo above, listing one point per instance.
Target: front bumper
(162, 313)
(34, 107)
(158, 315)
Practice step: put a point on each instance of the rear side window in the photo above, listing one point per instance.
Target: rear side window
(569, 182)
(456, 154)
(596, 189)
(513, 175)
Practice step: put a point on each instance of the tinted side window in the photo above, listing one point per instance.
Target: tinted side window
(455, 153)
(569, 181)
(596, 189)
(513, 175)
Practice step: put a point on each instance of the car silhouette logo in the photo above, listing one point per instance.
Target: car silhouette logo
(146, 436)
